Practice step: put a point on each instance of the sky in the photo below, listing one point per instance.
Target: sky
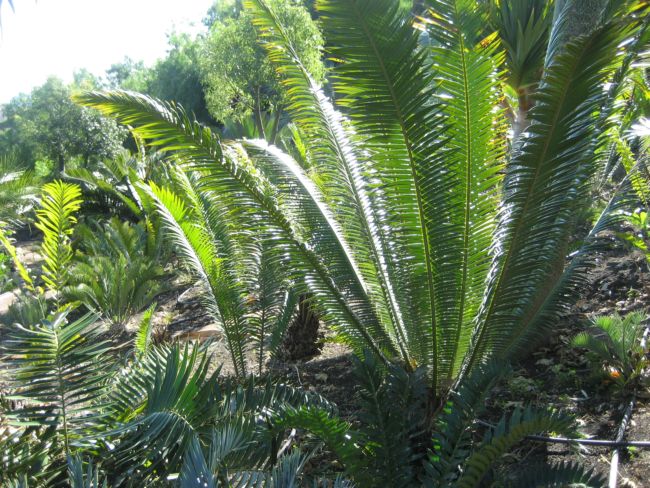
(57, 37)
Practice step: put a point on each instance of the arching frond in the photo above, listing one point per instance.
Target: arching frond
(463, 183)
(231, 175)
(56, 218)
(545, 184)
(57, 368)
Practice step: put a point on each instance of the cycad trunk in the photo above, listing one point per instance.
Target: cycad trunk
(301, 337)
(582, 17)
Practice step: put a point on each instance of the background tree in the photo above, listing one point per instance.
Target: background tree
(46, 124)
(176, 77)
(128, 75)
(238, 78)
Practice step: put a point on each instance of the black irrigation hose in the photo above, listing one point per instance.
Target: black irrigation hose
(584, 442)
(613, 471)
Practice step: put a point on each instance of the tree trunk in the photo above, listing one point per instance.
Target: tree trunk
(301, 337)
(581, 18)
(276, 124)
(257, 115)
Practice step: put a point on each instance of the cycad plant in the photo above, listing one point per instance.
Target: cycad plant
(615, 345)
(76, 412)
(18, 190)
(55, 374)
(420, 238)
(117, 271)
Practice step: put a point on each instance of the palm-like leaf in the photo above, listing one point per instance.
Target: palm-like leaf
(558, 476)
(193, 237)
(9, 247)
(470, 162)
(145, 331)
(523, 28)
(510, 430)
(382, 82)
(544, 185)
(58, 370)
(18, 190)
(84, 476)
(453, 441)
(336, 160)
(166, 407)
(56, 218)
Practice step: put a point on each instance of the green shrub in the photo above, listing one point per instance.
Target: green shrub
(141, 421)
(614, 344)
(117, 272)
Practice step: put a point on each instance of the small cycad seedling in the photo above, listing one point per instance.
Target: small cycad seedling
(616, 343)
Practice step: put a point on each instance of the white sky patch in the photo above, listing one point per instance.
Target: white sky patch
(57, 37)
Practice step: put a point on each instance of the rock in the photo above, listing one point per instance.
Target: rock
(7, 300)
(210, 331)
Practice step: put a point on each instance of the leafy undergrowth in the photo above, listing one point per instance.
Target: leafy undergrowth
(557, 374)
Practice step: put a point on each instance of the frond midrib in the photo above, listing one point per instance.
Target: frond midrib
(421, 213)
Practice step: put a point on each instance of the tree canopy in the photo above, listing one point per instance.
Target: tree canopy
(46, 124)
(238, 78)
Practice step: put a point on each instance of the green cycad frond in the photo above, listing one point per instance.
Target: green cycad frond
(545, 184)
(26, 453)
(380, 78)
(115, 287)
(8, 245)
(285, 473)
(164, 405)
(335, 433)
(240, 185)
(394, 404)
(336, 164)
(58, 368)
(558, 475)
(266, 299)
(18, 190)
(180, 403)
(59, 202)
(144, 333)
(523, 27)
(195, 472)
(81, 476)
(192, 236)
(470, 163)
(314, 222)
(570, 286)
(509, 431)
(452, 442)
(127, 393)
